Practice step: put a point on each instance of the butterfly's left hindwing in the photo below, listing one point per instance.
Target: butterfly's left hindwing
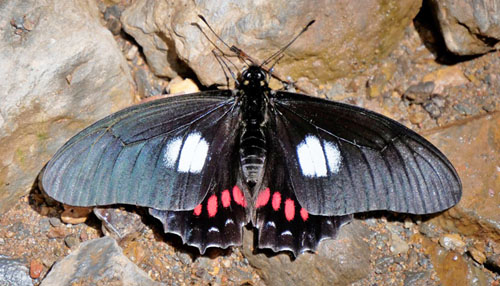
(155, 154)
(344, 159)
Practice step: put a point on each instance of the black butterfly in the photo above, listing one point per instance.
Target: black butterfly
(294, 166)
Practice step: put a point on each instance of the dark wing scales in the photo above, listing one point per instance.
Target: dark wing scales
(282, 222)
(135, 156)
(219, 219)
(367, 161)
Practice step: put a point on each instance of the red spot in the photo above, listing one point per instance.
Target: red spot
(276, 201)
(304, 214)
(225, 198)
(238, 196)
(197, 210)
(289, 209)
(263, 198)
(212, 206)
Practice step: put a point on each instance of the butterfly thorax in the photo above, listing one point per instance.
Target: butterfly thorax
(253, 90)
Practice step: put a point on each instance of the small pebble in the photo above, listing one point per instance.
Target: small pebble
(477, 255)
(180, 86)
(75, 215)
(432, 109)
(55, 221)
(72, 241)
(36, 269)
(452, 241)
(416, 115)
(132, 52)
(420, 92)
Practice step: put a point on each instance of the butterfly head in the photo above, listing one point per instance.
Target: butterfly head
(253, 77)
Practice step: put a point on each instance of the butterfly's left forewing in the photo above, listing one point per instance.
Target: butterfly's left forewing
(154, 154)
(344, 159)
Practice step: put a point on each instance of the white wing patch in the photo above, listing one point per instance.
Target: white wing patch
(333, 157)
(172, 153)
(313, 157)
(192, 154)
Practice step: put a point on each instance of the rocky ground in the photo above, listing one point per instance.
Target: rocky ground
(453, 101)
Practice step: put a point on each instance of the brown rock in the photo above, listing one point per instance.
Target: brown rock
(342, 39)
(75, 215)
(474, 149)
(450, 266)
(477, 255)
(57, 232)
(36, 269)
(445, 77)
(452, 241)
(182, 86)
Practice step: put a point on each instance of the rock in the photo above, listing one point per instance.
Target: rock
(477, 255)
(451, 267)
(60, 76)
(446, 77)
(119, 223)
(398, 245)
(341, 261)
(72, 241)
(417, 114)
(99, 261)
(36, 269)
(474, 149)
(419, 93)
(413, 278)
(432, 109)
(469, 27)
(342, 39)
(14, 272)
(75, 215)
(182, 86)
(452, 241)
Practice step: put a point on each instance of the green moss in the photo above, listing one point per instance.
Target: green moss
(20, 156)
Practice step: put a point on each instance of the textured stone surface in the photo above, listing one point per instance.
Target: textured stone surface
(61, 70)
(13, 272)
(469, 27)
(336, 262)
(100, 261)
(346, 37)
(474, 149)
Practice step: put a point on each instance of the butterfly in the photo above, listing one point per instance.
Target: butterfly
(294, 166)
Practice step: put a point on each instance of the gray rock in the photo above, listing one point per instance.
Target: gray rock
(13, 272)
(60, 75)
(119, 223)
(341, 261)
(469, 27)
(99, 261)
(346, 37)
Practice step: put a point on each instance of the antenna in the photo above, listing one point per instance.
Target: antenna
(246, 58)
(280, 51)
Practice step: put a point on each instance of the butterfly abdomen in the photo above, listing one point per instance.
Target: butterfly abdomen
(252, 153)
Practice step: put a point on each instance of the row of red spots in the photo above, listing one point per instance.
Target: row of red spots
(263, 198)
(265, 195)
(212, 206)
(225, 198)
(238, 196)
